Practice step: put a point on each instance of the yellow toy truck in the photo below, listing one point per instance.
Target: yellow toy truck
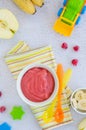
(69, 16)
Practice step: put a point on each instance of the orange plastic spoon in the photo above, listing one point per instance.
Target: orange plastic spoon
(59, 115)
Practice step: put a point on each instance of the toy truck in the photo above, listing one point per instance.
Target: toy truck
(69, 16)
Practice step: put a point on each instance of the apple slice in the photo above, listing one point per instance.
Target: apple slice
(8, 24)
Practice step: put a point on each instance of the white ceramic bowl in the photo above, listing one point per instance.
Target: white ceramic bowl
(72, 96)
(29, 102)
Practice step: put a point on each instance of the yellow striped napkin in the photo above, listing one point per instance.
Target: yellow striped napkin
(19, 57)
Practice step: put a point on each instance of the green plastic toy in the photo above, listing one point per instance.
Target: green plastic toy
(17, 113)
(73, 7)
(69, 16)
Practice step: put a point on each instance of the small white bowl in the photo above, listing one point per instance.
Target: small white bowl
(72, 96)
(29, 102)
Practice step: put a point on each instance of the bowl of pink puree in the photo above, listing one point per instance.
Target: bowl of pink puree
(37, 84)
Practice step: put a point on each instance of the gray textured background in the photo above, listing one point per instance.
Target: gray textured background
(37, 31)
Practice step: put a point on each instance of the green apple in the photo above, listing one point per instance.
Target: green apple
(8, 24)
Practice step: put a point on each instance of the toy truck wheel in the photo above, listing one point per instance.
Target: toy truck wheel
(60, 11)
(78, 20)
(83, 10)
(64, 3)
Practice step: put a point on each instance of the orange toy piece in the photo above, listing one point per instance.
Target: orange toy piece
(59, 115)
(63, 28)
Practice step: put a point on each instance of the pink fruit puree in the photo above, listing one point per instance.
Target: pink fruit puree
(37, 84)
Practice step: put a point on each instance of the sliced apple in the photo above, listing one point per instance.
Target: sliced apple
(8, 24)
(82, 125)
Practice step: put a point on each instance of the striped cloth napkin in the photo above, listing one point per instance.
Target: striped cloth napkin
(20, 56)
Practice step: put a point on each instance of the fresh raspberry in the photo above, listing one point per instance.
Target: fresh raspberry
(2, 109)
(64, 45)
(0, 93)
(74, 62)
(76, 48)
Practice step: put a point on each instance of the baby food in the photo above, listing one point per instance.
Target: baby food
(37, 84)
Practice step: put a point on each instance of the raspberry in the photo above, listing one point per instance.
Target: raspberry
(0, 93)
(76, 48)
(64, 45)
(75, 62)
(2, 109)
